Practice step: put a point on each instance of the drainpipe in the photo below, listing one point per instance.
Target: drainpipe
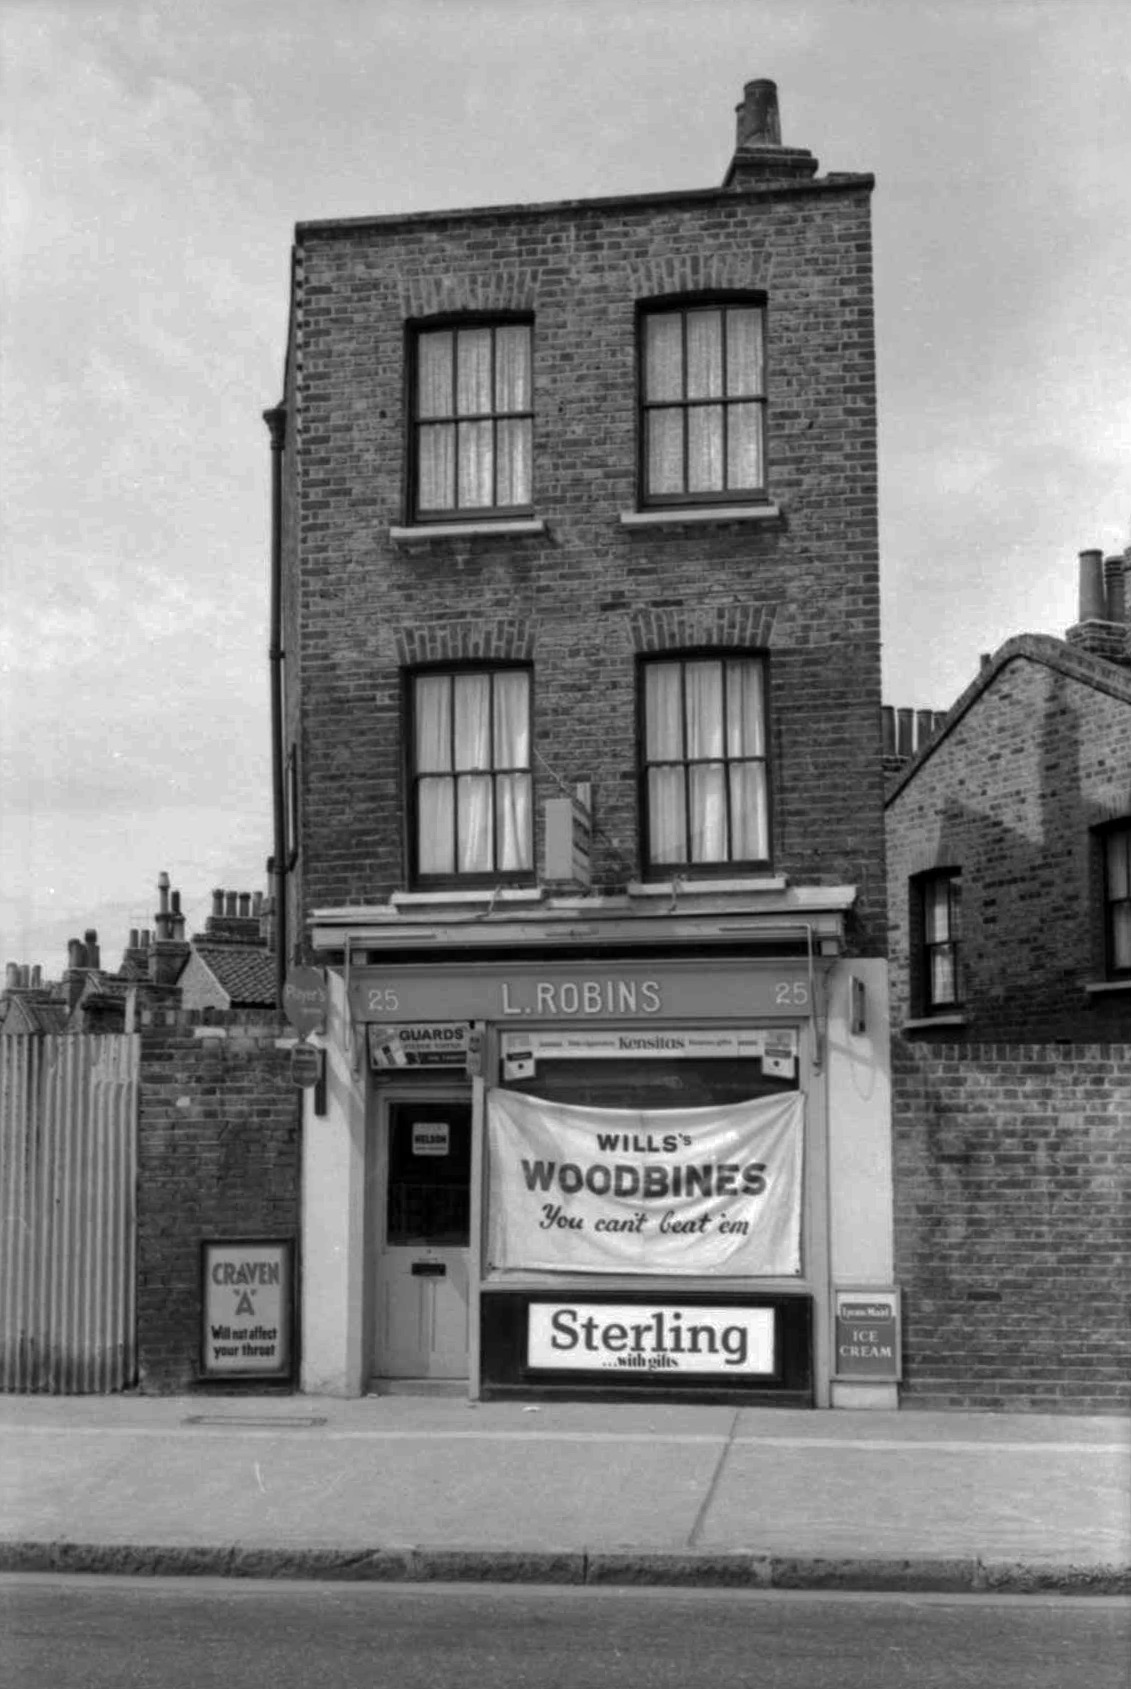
(276, 421)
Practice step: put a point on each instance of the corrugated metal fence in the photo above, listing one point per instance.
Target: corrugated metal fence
(68, 1175)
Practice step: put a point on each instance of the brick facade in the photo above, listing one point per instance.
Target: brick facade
(583, 598)
(1030, 761)
(1013, 1228)
(218, 1157)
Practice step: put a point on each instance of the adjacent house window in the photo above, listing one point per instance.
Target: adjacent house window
(1117, 898)
(471, 782)
(705, 784)
(942, 941)
(472, 420)
(703, 398)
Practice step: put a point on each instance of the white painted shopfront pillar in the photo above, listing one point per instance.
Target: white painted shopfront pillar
(861, 1191)
(333, 1214)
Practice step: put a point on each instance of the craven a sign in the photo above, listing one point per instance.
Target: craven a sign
(665, 1338)
(247, 1307)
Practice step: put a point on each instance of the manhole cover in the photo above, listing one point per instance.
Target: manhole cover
(260, 1422)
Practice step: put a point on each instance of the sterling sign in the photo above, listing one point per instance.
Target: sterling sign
(637, 1337)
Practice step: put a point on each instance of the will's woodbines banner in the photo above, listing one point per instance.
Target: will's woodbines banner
(673, 1191)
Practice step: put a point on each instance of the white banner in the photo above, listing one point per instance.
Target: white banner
(713, 1191)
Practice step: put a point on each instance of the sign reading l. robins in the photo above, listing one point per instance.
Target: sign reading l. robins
(712, 1191)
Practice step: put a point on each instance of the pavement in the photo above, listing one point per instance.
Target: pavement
(422, 1488)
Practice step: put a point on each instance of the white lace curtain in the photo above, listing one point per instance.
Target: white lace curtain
(705, 750)
(722, 360)
(482, 375)
(473, 794)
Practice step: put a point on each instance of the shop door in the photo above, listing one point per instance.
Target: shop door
(424, 1230)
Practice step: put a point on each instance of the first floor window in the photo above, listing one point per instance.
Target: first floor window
(1117, 897)
(942, 937)
(471, 782)
(705, 783)
(703, 397)
(473, 420)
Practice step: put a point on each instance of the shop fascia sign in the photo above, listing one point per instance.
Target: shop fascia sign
(711, 989)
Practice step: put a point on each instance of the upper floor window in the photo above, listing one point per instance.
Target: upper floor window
(942, 941)
(703, 399)
(472, 811)
(705, 783)
(1117, 898)
(472, 420)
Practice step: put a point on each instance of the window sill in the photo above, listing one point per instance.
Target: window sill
(929, 1023)
(466, 894)
(420, 533)
(1107, 987)
(705, 887)
(677, 516)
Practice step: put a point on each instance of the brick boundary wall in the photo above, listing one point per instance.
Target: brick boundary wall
(218, 1156)
(1013, 1225)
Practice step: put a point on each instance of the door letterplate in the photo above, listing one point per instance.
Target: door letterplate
(428, 1269)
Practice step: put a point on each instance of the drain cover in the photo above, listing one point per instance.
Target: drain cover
(260, 1422)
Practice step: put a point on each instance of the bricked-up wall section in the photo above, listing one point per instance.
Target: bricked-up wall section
(1010, 795)
(584, 599)
(218, 1156)
(1013, 1226)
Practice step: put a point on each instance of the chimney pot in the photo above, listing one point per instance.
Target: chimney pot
(887, 730)
(257, 904)
(218, 901)
(231, 901)
(245, 905)
(11, 976)
(143, 938)
(922, 728)
(1116, 585)
(176, 903)
(163, 891)
(76, 955)
(759, 124)
(904, 741)
(133, 939)
(36, 977)
(985, 659)
(1093, 606)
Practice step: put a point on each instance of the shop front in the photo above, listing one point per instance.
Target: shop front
(594, 1178)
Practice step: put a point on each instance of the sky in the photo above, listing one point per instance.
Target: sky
(155, 159)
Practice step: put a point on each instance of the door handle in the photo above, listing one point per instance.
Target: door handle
(428, 1269)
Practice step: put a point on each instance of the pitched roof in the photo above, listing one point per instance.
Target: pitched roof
(1068, 660)
(245, 971)
(35, 1014)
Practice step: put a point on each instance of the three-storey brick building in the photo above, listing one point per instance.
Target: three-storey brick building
(580, 793)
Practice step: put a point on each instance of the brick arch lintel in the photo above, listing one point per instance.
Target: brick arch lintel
(500, 289)
(702, 272)
(745, 627)
(505, 639)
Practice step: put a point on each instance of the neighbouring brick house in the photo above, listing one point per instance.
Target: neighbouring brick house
(1009, 842)
(578, 734)
(1009, 860)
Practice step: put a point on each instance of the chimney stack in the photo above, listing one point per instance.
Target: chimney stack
(169, 952)
(1102, 629)
(759, 157)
